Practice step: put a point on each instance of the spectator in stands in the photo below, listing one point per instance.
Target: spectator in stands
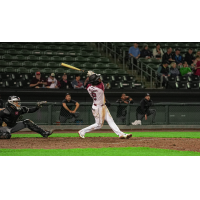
(185, 70)
(38, 81)
(121, 109)
(66, 111)
(168, 55)
(64, 83)
(164, 73)
(189, 58)
(158, 52)
(177, 57)
(173, 70)
(52, 82)
(77, 83)
(197, 66)
(146, 53)
(134, 53)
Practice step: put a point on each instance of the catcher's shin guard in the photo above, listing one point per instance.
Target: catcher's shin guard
(5, 135)
(32, 126)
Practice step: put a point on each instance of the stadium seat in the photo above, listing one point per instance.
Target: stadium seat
(34, 70)
(76, 64)
(108, 78)
(29, 46)
(45, 58)
(53, 47)
(111, 66)
(23, 70)
(108, 71)
(88, 66)
(8, 57)
(37, 52)
(83, 53)
(48, 70)
(87, 49)
(16, 46)
(80, 59)
(24, 52)
(40, 64)
(60, 53)
(137, 85)
(27, 64)
(92, 59)
(15, 64)
(193, 78)
(99, 66)
(53, 65)
(68, 59)
(130, 78)
(10, 70)
(3, 63)
(20, 57)
(194, 85)
(60, 70)
(33, 57)
(103, 60)
(49, 53)
(116, 85)
(63, 47)
(12, 51)
(5, 46)
(181, 85)
(3, 51)
(57, 58)
(95, 54)
(120, 71)
(41, 47)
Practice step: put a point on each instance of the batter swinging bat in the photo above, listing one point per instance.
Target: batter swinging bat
(71, 67)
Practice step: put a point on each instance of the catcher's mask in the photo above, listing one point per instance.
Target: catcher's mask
(15, 102)
(94, 79)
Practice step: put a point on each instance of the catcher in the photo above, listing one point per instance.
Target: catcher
(99, 108)
(11, 114)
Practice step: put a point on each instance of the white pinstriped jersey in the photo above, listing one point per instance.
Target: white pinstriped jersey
(97, 93)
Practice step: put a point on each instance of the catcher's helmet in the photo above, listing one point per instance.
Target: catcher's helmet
(15, 102)
(94, 79)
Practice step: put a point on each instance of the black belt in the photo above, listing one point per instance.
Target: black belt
(100, 105)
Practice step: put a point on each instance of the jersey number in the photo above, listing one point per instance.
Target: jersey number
(94, 96)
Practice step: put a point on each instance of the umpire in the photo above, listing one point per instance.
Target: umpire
(144, 111)
(66, 111)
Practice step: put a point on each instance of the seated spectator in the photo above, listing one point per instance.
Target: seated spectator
(198, 53)
(163, 71)
(173, 70)
(134, 53)
(197, 66)
(168, 55)
(146, 53)
(177, 57)
(158, 52)
(86, 82)
(189, 58)
(52, 82)
(64, 83)
(185, 70)
(66, 111)
(38, 81)
(77, 83)
(121, 109)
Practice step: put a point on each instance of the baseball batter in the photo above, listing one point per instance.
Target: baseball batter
(99, 109)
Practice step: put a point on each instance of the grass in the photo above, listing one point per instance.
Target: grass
(121, 151)
(135, 134)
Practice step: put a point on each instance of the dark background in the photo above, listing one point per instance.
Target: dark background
(53, 95)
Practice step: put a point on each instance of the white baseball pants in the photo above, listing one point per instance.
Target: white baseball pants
(100, 114)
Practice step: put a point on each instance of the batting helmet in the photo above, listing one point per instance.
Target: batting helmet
(94, 79)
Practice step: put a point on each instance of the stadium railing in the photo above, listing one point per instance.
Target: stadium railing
(166, 114)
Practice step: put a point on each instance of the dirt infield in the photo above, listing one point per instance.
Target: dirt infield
(181, 144)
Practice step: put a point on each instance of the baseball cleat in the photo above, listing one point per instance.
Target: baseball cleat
(137, 122)
(48, 133)
(127, 136)
(81, 136)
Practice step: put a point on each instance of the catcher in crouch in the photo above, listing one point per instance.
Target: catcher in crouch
(10, 115)
(100, 111)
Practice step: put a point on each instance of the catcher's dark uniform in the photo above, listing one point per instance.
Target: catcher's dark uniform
(143, 110)
(10, 116)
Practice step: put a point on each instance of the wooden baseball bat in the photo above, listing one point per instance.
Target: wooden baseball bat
(71, 67)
